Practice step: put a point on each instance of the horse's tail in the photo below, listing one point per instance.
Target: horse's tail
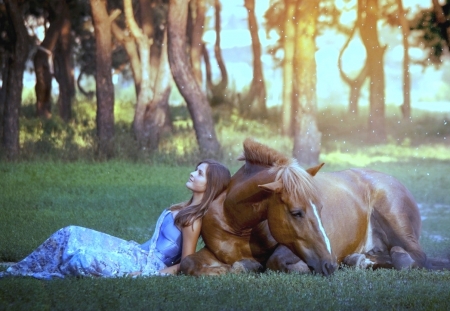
(438, 264)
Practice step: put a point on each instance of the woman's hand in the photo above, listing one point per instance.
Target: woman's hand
(171, 270)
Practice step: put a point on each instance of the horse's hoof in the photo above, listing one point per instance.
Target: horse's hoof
(358, 261)
(299, 267)
(401, 259)
(238, 267)
(246, 266)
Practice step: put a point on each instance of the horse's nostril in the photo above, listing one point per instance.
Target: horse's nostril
(328, 268)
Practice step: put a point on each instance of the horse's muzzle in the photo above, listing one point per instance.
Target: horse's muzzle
(324, 267)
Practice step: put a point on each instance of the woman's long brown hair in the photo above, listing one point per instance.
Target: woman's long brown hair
(217, 178)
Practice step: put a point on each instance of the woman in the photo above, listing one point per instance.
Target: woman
(79, 251)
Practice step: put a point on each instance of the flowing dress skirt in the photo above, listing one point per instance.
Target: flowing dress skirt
(79, 251)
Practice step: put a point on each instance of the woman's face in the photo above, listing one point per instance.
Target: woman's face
(197, 179)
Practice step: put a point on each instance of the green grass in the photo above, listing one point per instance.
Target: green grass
(346, 290)
(117, 198)
(124, 199)
(58, 182)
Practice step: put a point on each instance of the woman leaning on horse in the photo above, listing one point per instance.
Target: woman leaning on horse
(78, 251)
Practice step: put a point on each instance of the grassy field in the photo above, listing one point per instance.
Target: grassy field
(52, 189)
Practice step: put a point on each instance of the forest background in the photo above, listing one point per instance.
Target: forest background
(299, 70)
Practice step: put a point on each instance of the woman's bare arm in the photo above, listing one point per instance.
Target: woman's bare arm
(190, 239)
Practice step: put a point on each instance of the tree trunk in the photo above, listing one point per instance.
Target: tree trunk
(307, 138)
(146, 93)
(406, 106)
(130, 47)
(43, 62)
(222, 85)
(14, 79)
(255, 100)
(197, 39)
(217, 91)
(150, 30)
(4, 77)
(208, 71)
(156, 117)
(104, 86)
(143, 41)
(152, 114)
(355, 84)
(288, 68)
(375, 53)
(184, 78)
(64, 68)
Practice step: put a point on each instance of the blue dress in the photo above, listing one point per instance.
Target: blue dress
(78, 251)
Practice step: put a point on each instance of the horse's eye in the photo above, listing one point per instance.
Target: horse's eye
(298, 213)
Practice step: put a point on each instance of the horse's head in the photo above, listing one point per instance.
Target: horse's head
(294, 217)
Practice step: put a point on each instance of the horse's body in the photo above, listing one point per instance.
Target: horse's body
(227, 243)
(235, 229)
(277, 215)
(369, 217)
(369, 212)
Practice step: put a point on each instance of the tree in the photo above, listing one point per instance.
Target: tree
(4, 77)
(281, 17)
(64, 66)
(43, 59)
(150, 69)
(196, 101)
(442, 21)
(307, 136)
(13, 84)
(431, 28)
(255, 100)
(198, 11)
(369, 12)
(406, 106)
(217, 91)
(156, 117)
(5, 44)
(288, 67)
(104, 87)
(355, 84)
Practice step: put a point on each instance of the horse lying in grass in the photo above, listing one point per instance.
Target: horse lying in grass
(277, 215)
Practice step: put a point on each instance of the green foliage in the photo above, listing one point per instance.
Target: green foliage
(424, 136)
(430, 35)
(343, 134)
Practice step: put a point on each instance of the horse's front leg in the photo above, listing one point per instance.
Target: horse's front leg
(284, 260)
(203, 262)
(246, 266)
(376, 258)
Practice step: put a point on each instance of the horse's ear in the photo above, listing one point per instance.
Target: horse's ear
(313, 170)
(275, 186)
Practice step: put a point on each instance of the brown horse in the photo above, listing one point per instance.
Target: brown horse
(277, 215)
(235, 229)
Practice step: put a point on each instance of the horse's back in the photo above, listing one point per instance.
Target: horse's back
(358, 203)
(370, 184)
(385, 192)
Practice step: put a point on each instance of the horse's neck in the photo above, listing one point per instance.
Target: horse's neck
(245, 216)
(245, 206)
